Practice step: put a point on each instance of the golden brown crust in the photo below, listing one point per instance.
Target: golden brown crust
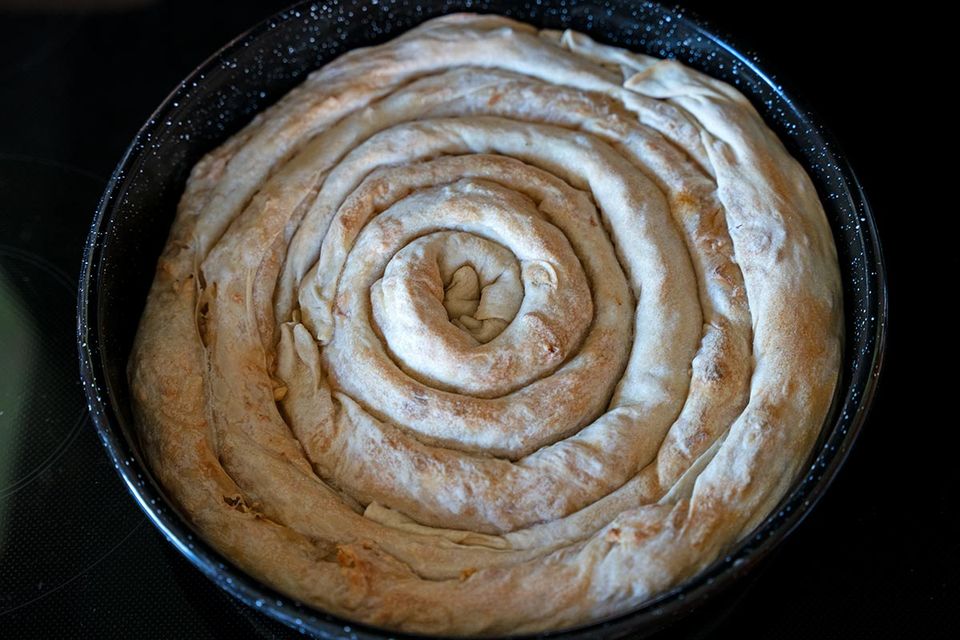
(489, 330)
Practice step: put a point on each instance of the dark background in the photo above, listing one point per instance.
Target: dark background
(878, 557)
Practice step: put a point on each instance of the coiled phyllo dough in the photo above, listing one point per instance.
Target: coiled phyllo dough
(489, 329)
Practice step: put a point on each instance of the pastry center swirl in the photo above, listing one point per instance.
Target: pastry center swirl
(482, 295)
(491, 302)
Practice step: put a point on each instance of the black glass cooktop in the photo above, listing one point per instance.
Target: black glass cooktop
(78, 558)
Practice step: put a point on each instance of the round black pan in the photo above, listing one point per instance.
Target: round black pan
(258, 67)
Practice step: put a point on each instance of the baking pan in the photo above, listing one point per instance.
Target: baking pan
(248, 74)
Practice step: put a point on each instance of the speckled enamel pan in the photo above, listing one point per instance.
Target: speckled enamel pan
(221, 96)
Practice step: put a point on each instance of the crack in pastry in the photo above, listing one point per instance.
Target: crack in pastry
(501, 336)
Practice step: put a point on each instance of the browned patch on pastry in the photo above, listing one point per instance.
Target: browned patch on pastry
(686, 199)
(693, 441)
(644, 529)
(544, 331)
(714, 372)
(345, 557)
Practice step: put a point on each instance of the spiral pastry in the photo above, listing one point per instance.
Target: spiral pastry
(489, 329)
